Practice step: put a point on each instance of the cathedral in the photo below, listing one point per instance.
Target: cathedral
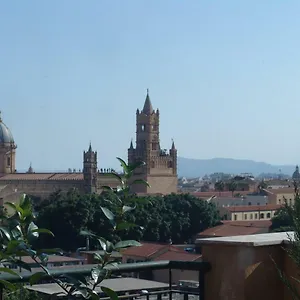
(160, 170)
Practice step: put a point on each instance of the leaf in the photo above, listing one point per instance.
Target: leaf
(7, 270)
(110, 293)
(8, 285)
(5, 233)
(109, 215)
(136, 165)
(21, 264)
(102, 243)
(43, 230)
(109, 247)
(32, 234)
(126, 244)
(98, 258)
(126, 209)
(116, 176)
(107, 188)
(36, 277)
(141, 181)
(98, 275)
(43, 258)
(123, 165)
(87, 233)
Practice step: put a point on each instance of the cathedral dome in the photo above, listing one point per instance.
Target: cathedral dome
(5, 134)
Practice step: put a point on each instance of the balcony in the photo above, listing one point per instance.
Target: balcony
(127, 287)
(232, 268)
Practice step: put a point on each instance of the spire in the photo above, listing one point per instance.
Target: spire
(90, 147)
(0, 116)
(173, 145)
(148, 109)
(131, 145)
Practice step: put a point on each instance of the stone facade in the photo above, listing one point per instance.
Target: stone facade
(160, 169)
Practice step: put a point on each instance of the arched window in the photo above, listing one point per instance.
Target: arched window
(143, 127)
(268, 215)
(251, 216)
(256, 216)
(245, 216)
(235, 217)
(262, 215)
(8, 161)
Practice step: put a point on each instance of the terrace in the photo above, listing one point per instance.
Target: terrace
(239, 267)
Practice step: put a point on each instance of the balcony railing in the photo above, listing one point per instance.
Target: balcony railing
(171, 289)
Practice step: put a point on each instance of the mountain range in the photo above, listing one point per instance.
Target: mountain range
(192, 168)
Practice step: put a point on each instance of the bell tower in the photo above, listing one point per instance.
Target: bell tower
(161, 166)
(90, 170)
(7, 150)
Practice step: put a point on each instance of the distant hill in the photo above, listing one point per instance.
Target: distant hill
(199, 167)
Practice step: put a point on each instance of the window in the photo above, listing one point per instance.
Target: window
(8, 161)
(170, 164)
(245, 216)
(249, 203)
(235, 217)
(152, 164)
(290, 201)
(256, 216)
(251, 216)
(143, 127)
(268, 215)
(262, 215)
(154, 146)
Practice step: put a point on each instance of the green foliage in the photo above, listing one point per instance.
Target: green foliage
(289, 217)
(283, 220)
(19, 233)
(160, 218)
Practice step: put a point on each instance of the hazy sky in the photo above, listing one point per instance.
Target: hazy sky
(224, 74)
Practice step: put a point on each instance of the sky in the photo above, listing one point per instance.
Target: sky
(224, 74)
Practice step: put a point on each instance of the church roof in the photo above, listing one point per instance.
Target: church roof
(5, 134)
(42, 176)
(148, 109)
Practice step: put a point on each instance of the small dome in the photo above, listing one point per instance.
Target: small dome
(5, 134)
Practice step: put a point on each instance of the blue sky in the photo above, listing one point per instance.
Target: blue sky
(224, 74)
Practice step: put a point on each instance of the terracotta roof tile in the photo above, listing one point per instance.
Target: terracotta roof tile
(52, 259)
(234, 228)
(218, 194)
(178, 256)
(147, 250)
(253, 207)
(280, 191)
(42, 176)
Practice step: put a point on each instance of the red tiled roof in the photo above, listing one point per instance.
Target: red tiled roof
(52, 259)
(253, 207)
(42, 176)
(218, 194)
(148, 249)
(280, 191)
(178, 256)
(234, 228)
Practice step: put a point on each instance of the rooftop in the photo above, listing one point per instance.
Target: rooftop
(235, 228)
(245, 208)
(267, 239)
(42, 176)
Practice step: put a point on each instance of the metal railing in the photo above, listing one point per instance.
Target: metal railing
(200, 267)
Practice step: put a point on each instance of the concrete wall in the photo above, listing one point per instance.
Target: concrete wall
(244, 271)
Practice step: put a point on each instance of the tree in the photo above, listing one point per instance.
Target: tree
(282, 220)
(232, 186)
(219, 186)
(291, 216)
(19, 231)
